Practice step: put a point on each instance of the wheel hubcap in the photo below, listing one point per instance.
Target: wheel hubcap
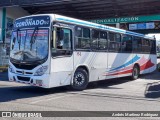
(79, 79)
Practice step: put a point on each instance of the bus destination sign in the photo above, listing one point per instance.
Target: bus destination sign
(35, 21)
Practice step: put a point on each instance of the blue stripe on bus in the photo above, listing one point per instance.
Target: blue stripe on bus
(127, 64)
(102, 27)
(82, 23)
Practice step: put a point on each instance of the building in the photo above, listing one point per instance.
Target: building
(8, 15)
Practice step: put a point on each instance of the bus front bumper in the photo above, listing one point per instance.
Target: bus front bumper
(40, 81)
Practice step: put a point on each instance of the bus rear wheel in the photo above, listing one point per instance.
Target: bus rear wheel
(80, 79)
(135, 72)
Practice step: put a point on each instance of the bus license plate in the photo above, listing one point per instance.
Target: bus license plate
(38, 81)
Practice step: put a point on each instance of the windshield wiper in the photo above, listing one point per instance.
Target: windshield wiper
(19, 52)
(33, 36)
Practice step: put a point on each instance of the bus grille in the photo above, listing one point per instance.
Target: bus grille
(26, 67)
(23, 78)
(29, 73)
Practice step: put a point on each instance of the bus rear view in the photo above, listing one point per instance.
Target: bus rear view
(30, 51)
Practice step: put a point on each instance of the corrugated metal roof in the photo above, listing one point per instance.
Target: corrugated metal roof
(88, 9)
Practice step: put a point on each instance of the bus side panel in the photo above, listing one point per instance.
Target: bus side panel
(83, 58)
(98, 66)
(95, 62)
(61, 71)
(154, 61)
(147, 63)
(119, 65)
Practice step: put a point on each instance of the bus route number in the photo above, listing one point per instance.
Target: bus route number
(78, 53)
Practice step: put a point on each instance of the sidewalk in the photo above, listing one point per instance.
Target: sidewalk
(3, 76)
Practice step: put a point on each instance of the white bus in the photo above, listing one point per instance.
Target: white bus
(50, 50)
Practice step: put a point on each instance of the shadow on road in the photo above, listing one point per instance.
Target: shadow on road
(107, 84)
(13, 93)
(152, 90)
(151, 76)
(9, 93)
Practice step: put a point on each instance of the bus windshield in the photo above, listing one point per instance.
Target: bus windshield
(29, 45)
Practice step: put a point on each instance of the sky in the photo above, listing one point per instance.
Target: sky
(157, 35)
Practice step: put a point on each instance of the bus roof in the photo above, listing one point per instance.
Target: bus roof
(70, 20)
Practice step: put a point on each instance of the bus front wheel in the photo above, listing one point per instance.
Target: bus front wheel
(135, 72)
(80, 79)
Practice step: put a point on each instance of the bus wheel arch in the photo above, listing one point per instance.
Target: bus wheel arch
(80, 78)
(85, 68)
(135, 71)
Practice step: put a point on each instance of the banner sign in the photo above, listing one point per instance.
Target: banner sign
(132, 26)
(127, 19)
(150, 25)
(142, 26)
(35, 21)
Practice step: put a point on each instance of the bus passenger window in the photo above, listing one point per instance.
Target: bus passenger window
(137, 45)
(82, 38)
(146, 46)
(95, 38)
(99, 40)
(102, 45)
(153, 47)
(126, 43)
(114, 42)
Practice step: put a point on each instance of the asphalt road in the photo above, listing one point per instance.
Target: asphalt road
(3, 76)
(109, 95)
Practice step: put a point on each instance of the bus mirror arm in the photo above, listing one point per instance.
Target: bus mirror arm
(54, 39)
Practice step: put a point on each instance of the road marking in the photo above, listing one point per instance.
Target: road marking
(52, 98)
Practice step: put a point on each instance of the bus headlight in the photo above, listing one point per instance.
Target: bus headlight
(11, 69)
(41, 71)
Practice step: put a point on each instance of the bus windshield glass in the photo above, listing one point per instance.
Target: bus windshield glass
(29, 45)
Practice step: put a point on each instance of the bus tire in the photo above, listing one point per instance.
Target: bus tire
(135, 72)
(80, 79)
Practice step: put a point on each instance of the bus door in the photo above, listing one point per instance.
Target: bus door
(62, 58)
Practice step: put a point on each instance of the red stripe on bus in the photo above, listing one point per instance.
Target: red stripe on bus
(147, 65)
